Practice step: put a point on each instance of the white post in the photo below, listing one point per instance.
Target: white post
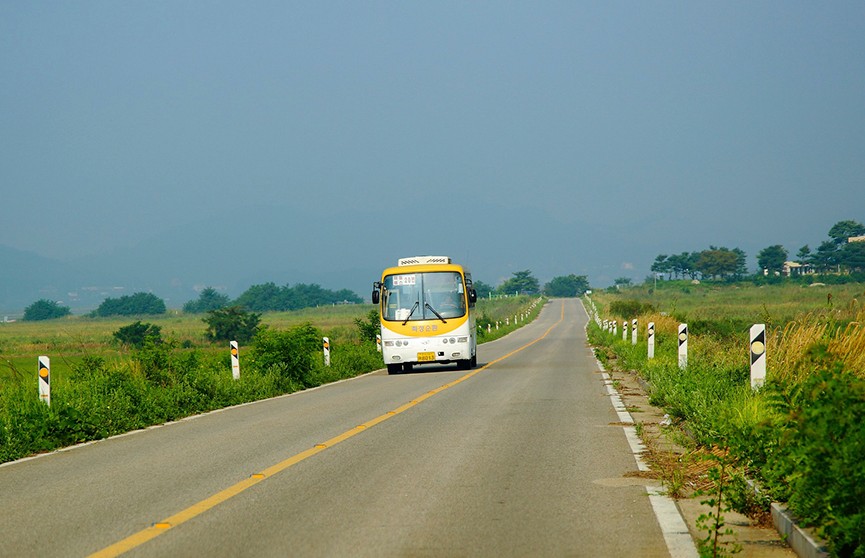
(683, 346)
(758, 355)
(489, 328)
(326, 343)
(235, 360)
(651, 336)
(634, 331)
(624, 330)
(378, 341)
(615, 327)
(45, 379)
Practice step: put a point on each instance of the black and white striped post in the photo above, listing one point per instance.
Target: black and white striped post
(378, 339)
(45, 379)
(235, 360)
(624, 330)
(683, 346)
(758, 355)
(634, 331)
(651, 339)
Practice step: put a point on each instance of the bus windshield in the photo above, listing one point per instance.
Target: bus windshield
(423, 296)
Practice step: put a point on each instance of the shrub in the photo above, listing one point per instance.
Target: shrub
(137, 334)
(288, 353)
(136, 304)
(45, 310)
(231, 324)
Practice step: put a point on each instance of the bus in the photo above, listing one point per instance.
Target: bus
(427, 314)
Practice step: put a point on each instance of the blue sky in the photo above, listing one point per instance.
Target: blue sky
(605, 132)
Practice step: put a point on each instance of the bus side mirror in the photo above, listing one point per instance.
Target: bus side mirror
(376, 287)
(473, 296)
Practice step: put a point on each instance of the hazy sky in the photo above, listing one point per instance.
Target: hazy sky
(640, 127)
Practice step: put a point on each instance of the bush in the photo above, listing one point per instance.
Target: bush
(231, 324)
(137, 334)
(45, 310)
(134, 305)
(818, 459)
(290, 354)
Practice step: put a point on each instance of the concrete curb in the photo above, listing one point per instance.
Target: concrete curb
(800, 540)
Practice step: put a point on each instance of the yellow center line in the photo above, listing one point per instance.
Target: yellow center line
(160, 527)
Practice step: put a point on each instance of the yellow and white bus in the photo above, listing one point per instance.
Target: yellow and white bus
(427, 309)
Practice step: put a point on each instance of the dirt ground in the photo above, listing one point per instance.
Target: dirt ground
(685, 471)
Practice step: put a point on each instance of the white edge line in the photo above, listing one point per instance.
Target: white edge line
(679, 542)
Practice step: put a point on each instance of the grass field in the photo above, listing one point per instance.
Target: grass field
(771, 304)
(68, 340)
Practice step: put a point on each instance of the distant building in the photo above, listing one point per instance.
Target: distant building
(856, 239)
(792, 269)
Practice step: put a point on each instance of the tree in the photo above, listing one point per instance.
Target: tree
(622, 281)
(826, 256)
(717, 262)
(231, 324)
(852, 256)
(136, 304)
(482, 289)
(741, 262)
(208, 300)
(522, 282)
(570, 286)
(663, 265)
(842, 230)
(137, 334)
(45, 309)
(803, 256)
(772, 258)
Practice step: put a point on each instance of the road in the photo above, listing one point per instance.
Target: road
(522, 456)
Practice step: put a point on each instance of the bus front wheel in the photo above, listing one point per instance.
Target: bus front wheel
(394, 368)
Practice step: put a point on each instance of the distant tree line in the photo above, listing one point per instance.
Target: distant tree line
(835, 254)
(269, 297)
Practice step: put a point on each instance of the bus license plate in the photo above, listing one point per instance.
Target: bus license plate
(426, 357)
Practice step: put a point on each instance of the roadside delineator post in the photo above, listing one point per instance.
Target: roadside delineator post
(634, 331)
(326, 343)
(615, 327)
(235, 360)
(624, 330)
(651, 340)
(378, 341)
(758, 355)
(683, 346)
(45, 379)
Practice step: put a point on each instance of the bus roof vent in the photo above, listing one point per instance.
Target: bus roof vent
(418, 260)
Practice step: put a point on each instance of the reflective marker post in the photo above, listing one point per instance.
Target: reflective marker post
(651, 336)
(634, 331)
(326, 351)
(235, 360)
(758, 355)
(378, 339)
(45, 379)
(683, 346)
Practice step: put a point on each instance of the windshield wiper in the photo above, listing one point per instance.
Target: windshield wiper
(431, 309)
(413, 308)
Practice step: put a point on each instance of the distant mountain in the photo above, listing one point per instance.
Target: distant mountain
(253, 245)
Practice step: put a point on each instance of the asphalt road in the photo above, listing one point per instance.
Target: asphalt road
(523, 456)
